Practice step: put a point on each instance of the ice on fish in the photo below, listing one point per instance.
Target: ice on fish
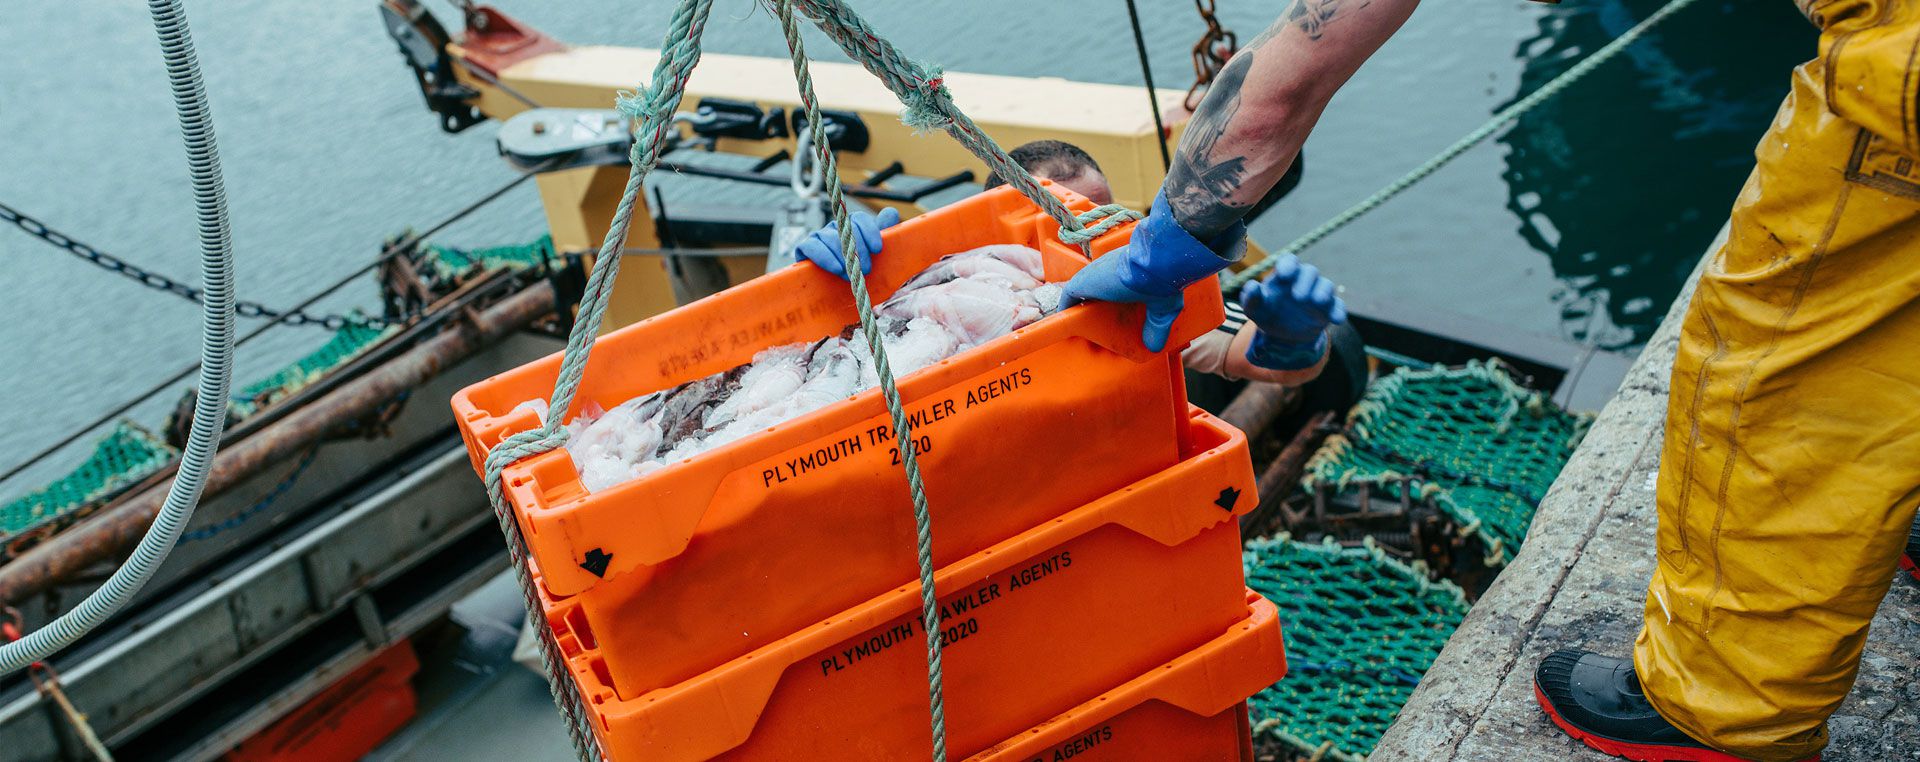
(774, 374)
(609, 449)
(538, 405)
(921, 341)
(960, 302)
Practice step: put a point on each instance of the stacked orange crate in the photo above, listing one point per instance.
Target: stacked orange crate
(750, 601)
(1191, 708)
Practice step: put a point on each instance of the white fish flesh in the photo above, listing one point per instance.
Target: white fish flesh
(960, 302)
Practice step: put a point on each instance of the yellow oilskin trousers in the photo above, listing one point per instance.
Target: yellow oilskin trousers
(1791, 467)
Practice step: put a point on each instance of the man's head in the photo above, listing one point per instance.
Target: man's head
(1063, 163)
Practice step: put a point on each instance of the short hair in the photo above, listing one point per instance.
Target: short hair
(1057, 159)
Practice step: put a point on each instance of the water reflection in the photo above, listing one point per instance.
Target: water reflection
(1623, 180)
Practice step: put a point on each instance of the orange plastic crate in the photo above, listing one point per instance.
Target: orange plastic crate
(1043, 621)
(1191, 708)
(813, 516)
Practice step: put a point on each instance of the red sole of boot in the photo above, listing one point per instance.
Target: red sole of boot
(1906, 562)
(1635, 751)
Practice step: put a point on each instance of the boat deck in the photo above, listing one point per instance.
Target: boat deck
(1580, 581)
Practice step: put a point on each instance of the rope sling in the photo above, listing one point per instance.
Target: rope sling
(909, 457)
(651, 107)
(928, 106)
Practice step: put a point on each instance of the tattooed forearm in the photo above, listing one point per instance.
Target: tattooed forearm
(1258, 111)
(1200, 185)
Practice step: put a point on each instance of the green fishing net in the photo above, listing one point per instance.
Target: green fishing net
(126, 455)
(1361, 629)
(130, 453)
(442, 263)
(347, 343)
(1484, 448)
(447, 262)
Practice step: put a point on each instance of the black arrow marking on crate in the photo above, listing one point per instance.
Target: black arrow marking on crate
(1227, 498)
(597, 561)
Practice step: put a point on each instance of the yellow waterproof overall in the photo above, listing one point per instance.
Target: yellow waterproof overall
(1791, 467)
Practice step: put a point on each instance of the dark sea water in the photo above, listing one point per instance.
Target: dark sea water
(1578, 224)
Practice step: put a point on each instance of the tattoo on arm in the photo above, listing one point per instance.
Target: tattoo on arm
(1200, 187)
(1204, 186)
(1312, 16)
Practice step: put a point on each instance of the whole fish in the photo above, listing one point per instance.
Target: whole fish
(961, 301)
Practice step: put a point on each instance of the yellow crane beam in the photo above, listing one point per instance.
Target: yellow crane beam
(1113, 123)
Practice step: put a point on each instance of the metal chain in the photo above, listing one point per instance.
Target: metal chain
(159, 282)
(392, 249)
(1210, 54)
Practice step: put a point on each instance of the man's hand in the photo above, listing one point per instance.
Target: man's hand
(1157, 264)
(1292, 308)
(822, 247)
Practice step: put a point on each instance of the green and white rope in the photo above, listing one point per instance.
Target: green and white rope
(1232, 285)
(652, 108)
(903, 432)
(923, 90)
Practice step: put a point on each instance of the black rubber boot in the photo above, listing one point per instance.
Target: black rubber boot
(1597, 700)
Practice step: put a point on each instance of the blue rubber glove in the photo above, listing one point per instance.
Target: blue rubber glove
(1156, 265)
(1292, 309)
(822, 247)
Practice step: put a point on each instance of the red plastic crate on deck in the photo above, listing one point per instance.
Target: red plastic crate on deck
(344, 721)
(710, 558)
(1035, 625)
